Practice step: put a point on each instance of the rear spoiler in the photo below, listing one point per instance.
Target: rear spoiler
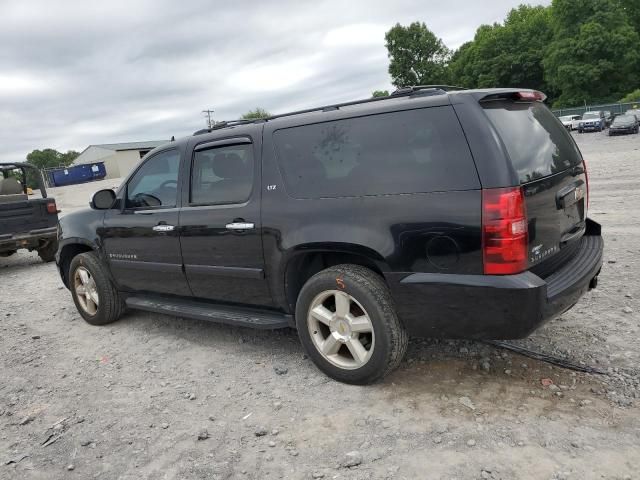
(524, 96)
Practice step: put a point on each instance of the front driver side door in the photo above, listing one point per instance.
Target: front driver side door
(141, 238)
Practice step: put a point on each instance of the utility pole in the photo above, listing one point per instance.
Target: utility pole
(209, 121)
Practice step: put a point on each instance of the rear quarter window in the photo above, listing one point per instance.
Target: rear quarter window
(412, 151)
(537, 143)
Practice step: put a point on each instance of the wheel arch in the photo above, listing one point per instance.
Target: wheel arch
(67, 252)
(307, 260)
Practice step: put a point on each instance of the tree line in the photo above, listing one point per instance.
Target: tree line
(575, 51)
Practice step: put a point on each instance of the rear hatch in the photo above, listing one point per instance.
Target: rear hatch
(552, 173)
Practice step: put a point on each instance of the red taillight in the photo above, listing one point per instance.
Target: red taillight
(504, 231)
(586, 178)
(532, 96)
(51, 207)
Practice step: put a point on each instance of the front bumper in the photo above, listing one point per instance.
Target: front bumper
(496, 307)
(31, 239)
(616, 131)
(590, 127)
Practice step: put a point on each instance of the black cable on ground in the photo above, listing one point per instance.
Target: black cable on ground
(560, 362)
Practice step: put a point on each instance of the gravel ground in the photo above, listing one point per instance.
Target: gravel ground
(159, 397)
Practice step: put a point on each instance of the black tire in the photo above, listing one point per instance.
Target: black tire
(48, 252)
(369, 290)
(110, 305)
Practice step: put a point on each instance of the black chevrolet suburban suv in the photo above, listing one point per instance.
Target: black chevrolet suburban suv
(431, 212)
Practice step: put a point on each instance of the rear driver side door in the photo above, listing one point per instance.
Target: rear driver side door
(220, 226)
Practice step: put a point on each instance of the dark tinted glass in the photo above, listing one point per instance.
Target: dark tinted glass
(401, 152)
(536, 141)
(222, 175)
(624, 119)
(155, 184)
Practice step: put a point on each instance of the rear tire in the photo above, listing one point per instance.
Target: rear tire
(95, 296)
(348, 326)
(48, 252)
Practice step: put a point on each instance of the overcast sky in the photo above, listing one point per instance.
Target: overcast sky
(74, 73)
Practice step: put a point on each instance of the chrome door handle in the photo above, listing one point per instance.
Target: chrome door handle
(240, 226)
(163, 228)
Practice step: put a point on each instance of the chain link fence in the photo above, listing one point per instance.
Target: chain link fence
(608, 107)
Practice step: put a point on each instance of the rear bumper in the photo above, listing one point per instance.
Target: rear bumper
(31, 239)
(496, 307)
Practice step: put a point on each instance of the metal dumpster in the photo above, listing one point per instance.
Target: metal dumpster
(73, 174)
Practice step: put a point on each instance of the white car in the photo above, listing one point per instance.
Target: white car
(570, 122)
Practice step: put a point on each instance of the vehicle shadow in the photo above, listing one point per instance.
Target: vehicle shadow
(429, 365)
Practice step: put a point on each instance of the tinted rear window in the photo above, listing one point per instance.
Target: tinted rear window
(392, 153)
(536, 142)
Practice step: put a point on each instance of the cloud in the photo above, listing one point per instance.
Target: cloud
(75, 73)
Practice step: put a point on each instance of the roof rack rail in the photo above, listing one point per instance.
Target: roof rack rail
(336, 106)
(417, 88)
(229, 123)
(401, 92)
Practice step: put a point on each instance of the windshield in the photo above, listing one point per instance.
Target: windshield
(624, 119)
(566, 118)
(587, 116)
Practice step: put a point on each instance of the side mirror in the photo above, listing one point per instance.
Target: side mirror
(103, 199)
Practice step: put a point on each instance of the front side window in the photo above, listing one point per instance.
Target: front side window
(155, 184)
(222, 175)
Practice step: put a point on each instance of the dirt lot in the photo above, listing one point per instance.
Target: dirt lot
(158, 397)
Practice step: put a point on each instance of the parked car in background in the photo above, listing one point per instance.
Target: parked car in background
(592, 122)
(455, 214)
(635, 112)
(570, 122)
(624, 124)
(608, 117)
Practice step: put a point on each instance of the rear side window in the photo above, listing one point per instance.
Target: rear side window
(392, 153)
(538, 145)
(222, 175)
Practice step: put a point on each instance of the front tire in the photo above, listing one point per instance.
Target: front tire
(95, 297)
(348, 326)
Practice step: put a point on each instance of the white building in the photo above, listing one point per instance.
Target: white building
(119, 158)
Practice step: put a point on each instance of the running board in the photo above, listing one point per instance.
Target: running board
(236, 316)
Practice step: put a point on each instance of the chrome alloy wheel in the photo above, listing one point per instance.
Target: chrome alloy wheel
(86, 290)
(341, 329)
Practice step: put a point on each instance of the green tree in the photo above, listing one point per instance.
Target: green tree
(594, 54)
(632, 11)
(506, 55)
(631, 97)
(416, 55)
(48, 158)
(256, 114)
(380, 93)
